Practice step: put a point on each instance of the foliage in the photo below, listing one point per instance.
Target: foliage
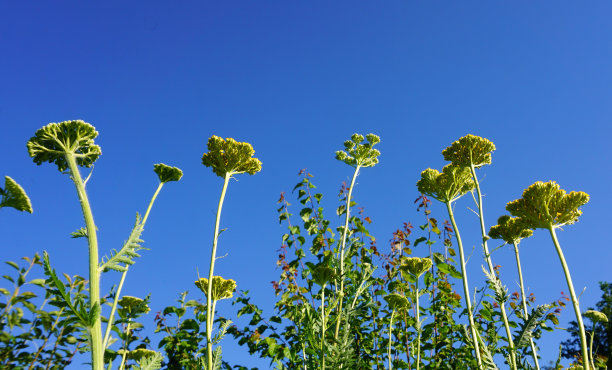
(14, 196)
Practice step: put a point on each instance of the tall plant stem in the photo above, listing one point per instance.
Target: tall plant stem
(111, 318)
(524, 299)
(418, 325)
(390, 337)
(323, 327)
(213, 257)
(342, 245)
(95, 331)
(466, 289)
(570, 286)
(502, 306)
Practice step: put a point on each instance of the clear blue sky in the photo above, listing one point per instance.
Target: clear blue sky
(296, 79)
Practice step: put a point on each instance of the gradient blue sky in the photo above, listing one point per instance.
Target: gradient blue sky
(296, 79)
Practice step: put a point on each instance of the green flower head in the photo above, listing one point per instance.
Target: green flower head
(511, 230)
(415, 266)
(230, 156)
(448, 185)
(469, 150)
(596, 316)
(167, 173)
(545, 204)
(397, 302)
(322, 275)
(56, 140)
(140, 353)
(133, 305)
(221, 288)
(358, 152)
(14, 196)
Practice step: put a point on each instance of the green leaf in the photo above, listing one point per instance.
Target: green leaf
(119, 261)
(419, 240)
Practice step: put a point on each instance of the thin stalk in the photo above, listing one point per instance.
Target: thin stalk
(418, 325)
(95, 332)
(570, 286)
(390, 337)
(591, 347)
(502, 306)
(323, 327)
(466, 289)
(213, 257)
(344, 235)
(520, 274)
(127, 332)
(111, 318)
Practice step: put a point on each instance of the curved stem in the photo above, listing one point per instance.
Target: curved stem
(524, 299)
(111, 317)
(502, 306)
(466, 289)
(570, 286)
(342, 245)
(213, 257)
(95, 331)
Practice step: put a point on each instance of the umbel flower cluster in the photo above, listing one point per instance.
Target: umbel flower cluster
(230, 157)
(357, 153)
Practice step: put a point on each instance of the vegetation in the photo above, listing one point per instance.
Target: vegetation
(342, 300)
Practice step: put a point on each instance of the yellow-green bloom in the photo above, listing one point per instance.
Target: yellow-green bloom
(469, 150)
(322, 275)
(14, 196)
(140, 353)
(167, 173)
(230, 156)
(596, 316)
(133, 305)
(221, 288)
(397, 301)
(359, 153)
(509, 229)
(415, 266)
(52, 142)
(544, 204)
(447, 185)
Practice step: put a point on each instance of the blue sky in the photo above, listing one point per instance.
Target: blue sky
(296, 79)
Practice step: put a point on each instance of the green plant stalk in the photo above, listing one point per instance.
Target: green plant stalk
(209, 311)
(418, 325)
(525, 312)
(570, 286)
(342, 245)
(390, 337)
(591, 347)
(502, 306)
(466, 289)
(95, 332)
(127, 332)
(111, 318)
(323, 327)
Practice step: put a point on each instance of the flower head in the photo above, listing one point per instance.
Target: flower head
(469, 150)
(415, 266)
(54, 141)
(230, 156)
(221, 288)
(133, 305)
(359, 153)
(322, 275)
(14, 196)
(545, 204)
(509, 229)
(448, 185)
(596, 316)
(167, 173)
(397, 301)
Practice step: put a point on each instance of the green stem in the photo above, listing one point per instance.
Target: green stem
(570, 286)
(418, 325)
(342, 245)
(390, 336)
(125, 347)
(591, 347)
(323, 327)
(466, 289)
(213, 257)
(524, 299)
(502, 306)
(95, 331)
(111, 318)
